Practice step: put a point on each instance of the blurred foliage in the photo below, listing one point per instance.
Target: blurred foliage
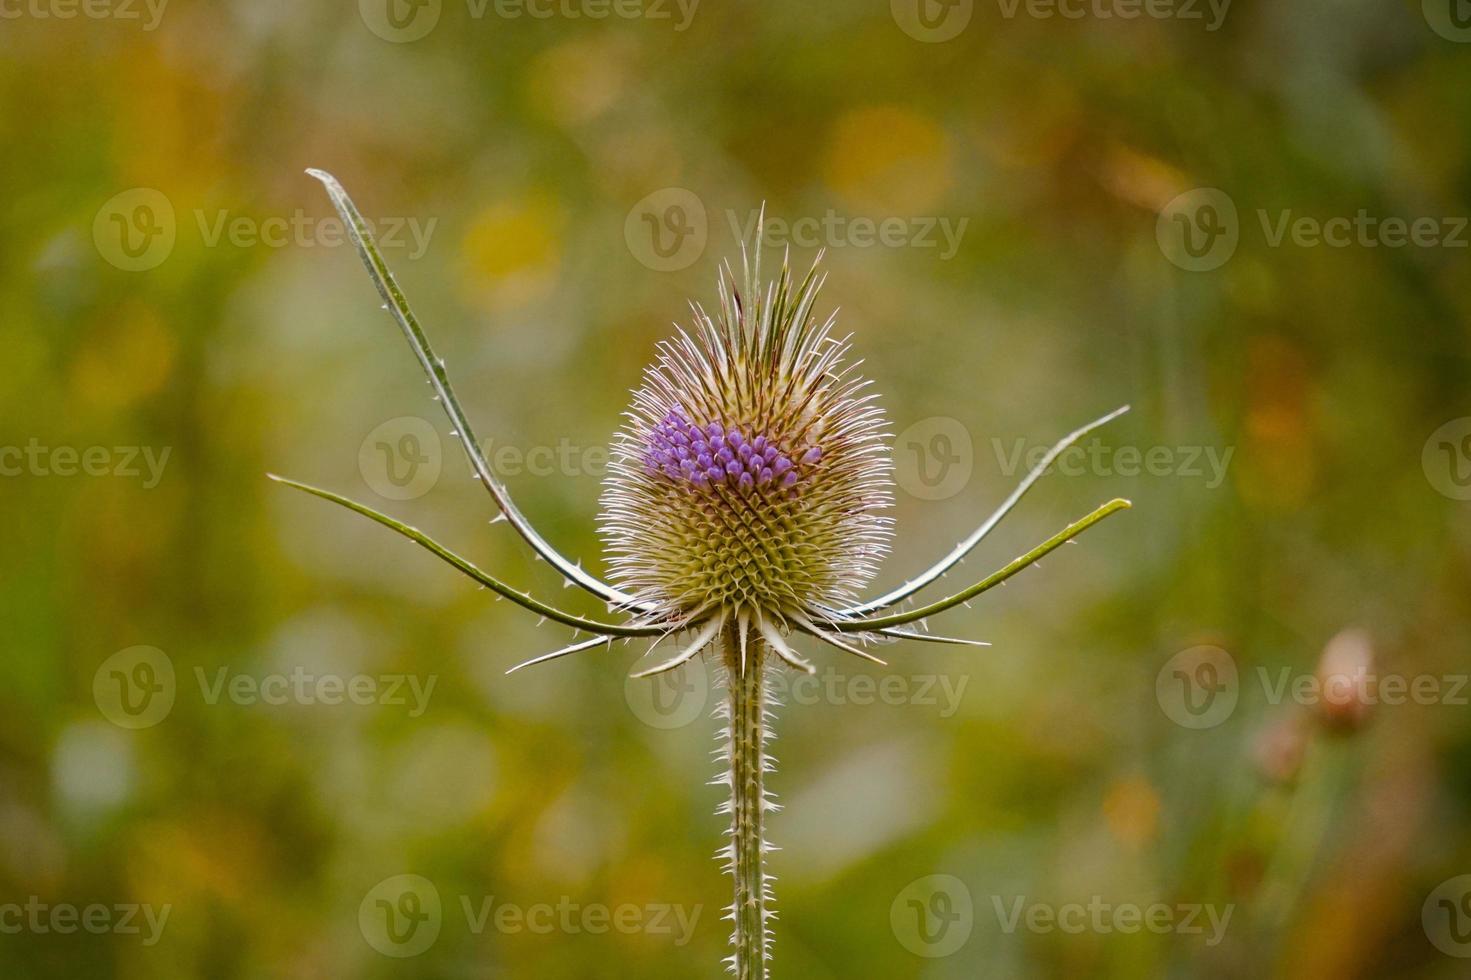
(526, 142)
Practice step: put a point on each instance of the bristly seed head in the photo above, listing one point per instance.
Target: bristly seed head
(752, 468)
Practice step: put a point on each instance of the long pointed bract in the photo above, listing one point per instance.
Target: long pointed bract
(965, 547)
(990, 581)
(398, 306)
(469, 568)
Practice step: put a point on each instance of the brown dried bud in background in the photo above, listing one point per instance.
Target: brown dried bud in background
(1347, 682)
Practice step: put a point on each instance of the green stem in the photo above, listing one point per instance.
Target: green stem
(746, 755)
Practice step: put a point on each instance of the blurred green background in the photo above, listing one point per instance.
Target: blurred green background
(181, 317)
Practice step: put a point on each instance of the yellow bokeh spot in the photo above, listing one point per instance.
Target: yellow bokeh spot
(511, 251)
(1131, 808)
(127, 358)
(888, 160)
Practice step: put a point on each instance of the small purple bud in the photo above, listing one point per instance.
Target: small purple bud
(734, 438)
(759, 444)
(682, 452)
(733, 468)
(700, 480)
(716, 474)
(672, 470)
(769, 454)
(715, 430)
(725, 456)
(687, 466)
(745, 453)
(765, 476)
(781, 465)
(705, 460)
(812, 455)
(700, 446)
(789, 479)
(746, 482)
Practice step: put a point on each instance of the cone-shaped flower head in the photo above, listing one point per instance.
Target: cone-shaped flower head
(751, 473)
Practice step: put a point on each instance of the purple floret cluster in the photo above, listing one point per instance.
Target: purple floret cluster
(710, 455)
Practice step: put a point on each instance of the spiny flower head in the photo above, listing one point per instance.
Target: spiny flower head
(752, 468)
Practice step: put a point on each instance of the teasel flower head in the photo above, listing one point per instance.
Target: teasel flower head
(744, 505)
(752, 473)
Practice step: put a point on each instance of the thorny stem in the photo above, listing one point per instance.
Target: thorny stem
(747, 717)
